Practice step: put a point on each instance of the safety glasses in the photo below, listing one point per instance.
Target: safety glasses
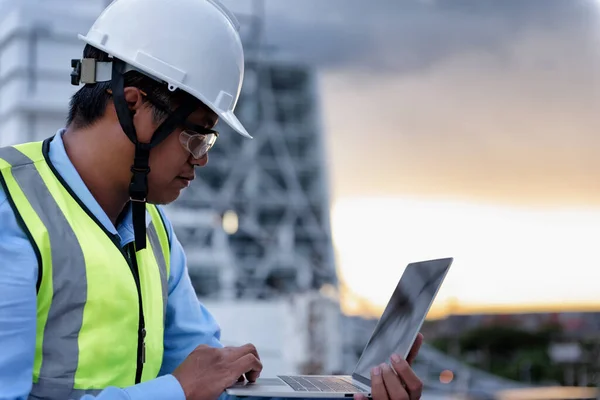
(196, 139)
(198, 143)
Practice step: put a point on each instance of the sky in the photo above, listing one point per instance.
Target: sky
(463, 128)
(435, 89)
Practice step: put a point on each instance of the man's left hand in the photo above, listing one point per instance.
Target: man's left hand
(399, 381)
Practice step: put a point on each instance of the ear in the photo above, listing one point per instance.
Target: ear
(134, 98)
(141, 112)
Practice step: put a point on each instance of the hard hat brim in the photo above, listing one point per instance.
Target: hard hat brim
(235, 124)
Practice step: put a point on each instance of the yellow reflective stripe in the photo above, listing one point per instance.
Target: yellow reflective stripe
(155, 254)
(151, 281)
(108, 356)
(66, 309)
(161, 246)
(162, 264)
(103, 349)
(38, 232)
(53, 390)
(163, 235)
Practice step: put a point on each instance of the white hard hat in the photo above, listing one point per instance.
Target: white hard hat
(193, 45)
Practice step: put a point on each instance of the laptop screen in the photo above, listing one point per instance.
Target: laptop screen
(403, 316)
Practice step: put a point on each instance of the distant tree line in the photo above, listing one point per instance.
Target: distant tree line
(508, 351)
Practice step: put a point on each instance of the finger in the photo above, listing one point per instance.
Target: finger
(377, 387)
(253, 375)
(415, 349)
(249, 365)
(245, 367)
(360, 396)
(414, 386)
(235, 353)
(252, 349)
(393, 384)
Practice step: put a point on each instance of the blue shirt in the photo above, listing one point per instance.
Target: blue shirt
(188, 323)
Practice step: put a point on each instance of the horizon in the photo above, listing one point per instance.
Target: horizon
(440, 311)
(506, 258)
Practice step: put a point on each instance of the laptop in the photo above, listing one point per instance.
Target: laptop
(395, 332)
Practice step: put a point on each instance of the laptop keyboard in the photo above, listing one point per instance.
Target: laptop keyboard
(320, 384)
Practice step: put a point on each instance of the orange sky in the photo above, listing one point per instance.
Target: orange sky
(501, 135)
(504, 257)
(514, 130)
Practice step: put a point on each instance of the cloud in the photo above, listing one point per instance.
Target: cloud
(484, 99)
(517, 123)
(408, 36)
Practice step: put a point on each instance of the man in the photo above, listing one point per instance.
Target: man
(95, 298)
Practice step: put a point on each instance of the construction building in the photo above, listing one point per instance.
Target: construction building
(255, 224)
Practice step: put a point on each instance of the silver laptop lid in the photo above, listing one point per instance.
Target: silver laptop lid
(403, 316)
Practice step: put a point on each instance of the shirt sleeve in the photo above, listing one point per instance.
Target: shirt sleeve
(188, 323)
(162, 388)
(18, 305)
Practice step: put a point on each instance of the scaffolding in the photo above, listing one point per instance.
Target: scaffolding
(255, 224)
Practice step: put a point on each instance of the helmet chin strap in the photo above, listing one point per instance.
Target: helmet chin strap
(138, 188)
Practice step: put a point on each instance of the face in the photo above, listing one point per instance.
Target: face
(171, 164)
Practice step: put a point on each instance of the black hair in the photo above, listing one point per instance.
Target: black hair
(89, 103)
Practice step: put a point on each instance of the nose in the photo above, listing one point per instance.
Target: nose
(199, 162)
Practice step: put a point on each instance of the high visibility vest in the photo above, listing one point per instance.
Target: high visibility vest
(100, 308)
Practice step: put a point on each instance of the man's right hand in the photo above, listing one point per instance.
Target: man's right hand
(208, 371)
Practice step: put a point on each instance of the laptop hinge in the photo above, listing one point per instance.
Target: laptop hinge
(361, 385)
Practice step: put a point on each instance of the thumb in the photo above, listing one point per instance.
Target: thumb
(415, 349)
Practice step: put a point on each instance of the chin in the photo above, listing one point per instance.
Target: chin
(164, 199)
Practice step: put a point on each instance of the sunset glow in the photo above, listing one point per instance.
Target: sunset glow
(504, 257)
